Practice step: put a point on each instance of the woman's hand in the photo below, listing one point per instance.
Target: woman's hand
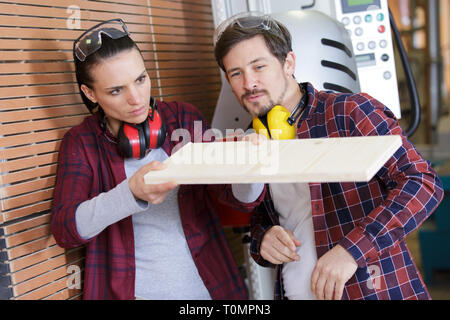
(153, 193)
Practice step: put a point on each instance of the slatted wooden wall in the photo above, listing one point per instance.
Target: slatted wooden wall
(39, 102)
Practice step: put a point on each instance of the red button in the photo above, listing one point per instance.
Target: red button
(381, 29)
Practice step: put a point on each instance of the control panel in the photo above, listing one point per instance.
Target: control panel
(368, 23)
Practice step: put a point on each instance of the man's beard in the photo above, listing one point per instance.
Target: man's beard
(260, 111)
(257, 110)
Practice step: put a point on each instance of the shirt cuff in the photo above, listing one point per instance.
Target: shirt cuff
(247, 193)
(360, 247)
(94, 215)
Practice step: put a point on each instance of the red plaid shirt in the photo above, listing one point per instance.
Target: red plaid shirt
(369, 219)
(89, 164)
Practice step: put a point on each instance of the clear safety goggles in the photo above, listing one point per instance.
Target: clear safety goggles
(249, 20)
(91, 40)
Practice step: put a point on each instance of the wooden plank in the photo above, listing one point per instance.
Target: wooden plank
(191, 97)
(30, 247)
(19, 44)
(34, 55)
(180, 47)
(56, 272)
(182, 6)
(62, 23)
(27, 224)
(12, 68)
(167, 21)
(31, 162)
(44, 113)
(57, 35)
(140, 34)
(30, 138)
(171, 73)
(101, 11)
(27, 199)
(284, 161)
(180, 55)
(186, 64)
(84, 4)
(180, 81)
(12, 92)
(66, 294)
(22, 44)
(182, 30)
(29, 126)
(31, 259)
(175, 14)
(14, 104)
(65, 257)
(28, 174)
(49, 288)
(200, 88)
(193, 40)
(24, 79)
(27, 236)
(26, 151)
(26, 187)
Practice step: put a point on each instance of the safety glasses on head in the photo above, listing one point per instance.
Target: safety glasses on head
(249, 20)
(91, 40)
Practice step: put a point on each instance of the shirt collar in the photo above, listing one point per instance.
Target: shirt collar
(310, 101)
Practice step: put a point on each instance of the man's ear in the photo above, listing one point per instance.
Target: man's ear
(289, 64)
(89, 93)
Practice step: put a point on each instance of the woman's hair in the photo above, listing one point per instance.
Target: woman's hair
(109, 48)
(278, 40)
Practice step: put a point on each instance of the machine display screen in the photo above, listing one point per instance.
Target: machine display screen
(352, 3)
(349, 6)
(365, 60)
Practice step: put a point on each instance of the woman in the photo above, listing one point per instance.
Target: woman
(149, 241)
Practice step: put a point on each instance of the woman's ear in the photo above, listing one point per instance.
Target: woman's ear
(89, 93)
(289, 64)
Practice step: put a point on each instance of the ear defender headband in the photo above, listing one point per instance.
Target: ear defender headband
(136, 139)
(278, 123)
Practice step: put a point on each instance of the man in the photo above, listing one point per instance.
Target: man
(329, 240)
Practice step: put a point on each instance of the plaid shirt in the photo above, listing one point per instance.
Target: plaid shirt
(369, 219)
(89, 164)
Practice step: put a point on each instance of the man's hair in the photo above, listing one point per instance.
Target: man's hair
(278, 41)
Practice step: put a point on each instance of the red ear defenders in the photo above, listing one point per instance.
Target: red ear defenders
(136, 139)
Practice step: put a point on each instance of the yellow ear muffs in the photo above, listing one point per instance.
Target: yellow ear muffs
(276, 122)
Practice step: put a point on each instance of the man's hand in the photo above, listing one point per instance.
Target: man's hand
(278, 246)
(332, 272)
(153, 193)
